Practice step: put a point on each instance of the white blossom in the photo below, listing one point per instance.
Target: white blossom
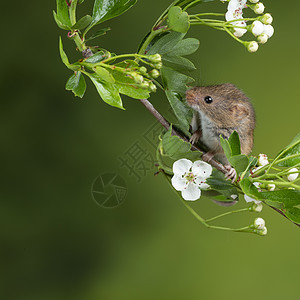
(294, 176)
(259, 8)
(190, 177)
(252, 46)
(259, 223)
(263, 159)
(253, 1)
(257, 28)
(268, 30)
(235, 12)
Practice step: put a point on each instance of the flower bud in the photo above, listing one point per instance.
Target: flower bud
(271, 187)
(267, 19)
(292, 177)
(155, 58)
(158, 65)
(259, 223)
(152, 87)
(263, 38)
(144, 85)
(253, 1)
(259, 8)
(269, 30)
(154, 73)
(143, 70)
(252, 46)
(239, 32)
(136, 77)
(263, 232)
(263, 159)
(257, 207)
(257, 28)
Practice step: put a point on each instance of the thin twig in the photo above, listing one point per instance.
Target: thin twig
(166, 125)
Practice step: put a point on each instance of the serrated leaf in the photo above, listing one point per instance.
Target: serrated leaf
(218, 183)
(65, 59)
(249, 189)
(293, 214)
(294, 150)
(226, 147)
(239, 162)
(97, 57)
(108, 92)
(166, 43)
(98, 33)
(82, 23)
(235, 145)
(59, 23)
(133, 92)
(63, 13)
(176, 148)
(178, 20)
(76, 84)
(186, 47)
(104, 75)
(175, 81)
(107, 9)
(178, 63)
(288, 198)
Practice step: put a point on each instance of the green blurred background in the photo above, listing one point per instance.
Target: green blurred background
(57, 243)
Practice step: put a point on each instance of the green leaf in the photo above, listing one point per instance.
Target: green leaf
(176, 148)
(97, 57)
(293, 214)
(186, 47)
(82, 23)
(166, 44)
(98, 33)
(218, 183)
(178, 63)
(107, 9)
(76, 84)
(288, 198)
(65, 59)
(249, 189)
(63, 13)
(107, 91)
(178, 20)
(235, 145)
(59, 23)
(239, 162)
(226, 147)
(293, 149)
(133, 92)
(104, 75)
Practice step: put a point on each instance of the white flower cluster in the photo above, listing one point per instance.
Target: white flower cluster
(190, 177)
(261, 28)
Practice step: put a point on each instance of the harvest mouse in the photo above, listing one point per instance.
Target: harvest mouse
(219, 110)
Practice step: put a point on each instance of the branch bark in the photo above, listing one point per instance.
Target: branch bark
(166, 125)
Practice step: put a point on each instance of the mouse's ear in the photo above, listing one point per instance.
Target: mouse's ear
(240, 111)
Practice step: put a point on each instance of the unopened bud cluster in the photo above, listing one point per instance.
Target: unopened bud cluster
(259, 227)
(261, 28)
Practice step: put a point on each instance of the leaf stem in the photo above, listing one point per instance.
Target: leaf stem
(228, 213)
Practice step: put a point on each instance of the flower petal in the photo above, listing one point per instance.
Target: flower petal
(201, 183)
(182, 166)
(178, 182)
(191, 192)
(249, 199)
(201, 169)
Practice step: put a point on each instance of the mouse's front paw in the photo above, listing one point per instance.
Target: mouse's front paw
(231, 174)
(196, 137)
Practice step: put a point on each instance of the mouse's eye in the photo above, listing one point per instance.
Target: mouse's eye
(208, 99)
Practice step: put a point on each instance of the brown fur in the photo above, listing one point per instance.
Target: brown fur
(230, 110)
